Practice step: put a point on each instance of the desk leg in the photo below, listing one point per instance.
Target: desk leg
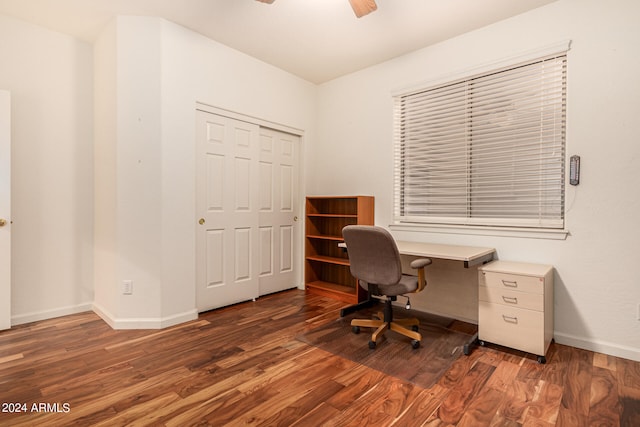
(356, 307)
(468, 347)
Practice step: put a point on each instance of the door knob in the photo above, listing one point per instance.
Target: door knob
(3, 222)
(201, 221)
(295, 218)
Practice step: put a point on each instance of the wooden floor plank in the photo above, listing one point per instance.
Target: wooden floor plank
(320, 415)
(301, 406)
(518, 399)
(357, 381)
(457, 402)
(577, 383)
(423, 407)
(243, 365)
(628, 383)
(482, 411)
(604, 404)
(546, 403)
(368, 410)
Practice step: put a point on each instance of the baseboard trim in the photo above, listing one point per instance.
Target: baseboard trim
(597, 346)
(21, 319)
(144, 323)
(165, 322)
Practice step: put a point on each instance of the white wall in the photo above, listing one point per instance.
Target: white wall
(105, 169)
(197, 69)
(149, 225)
(127, 168)
(597, 293)
(50, 79)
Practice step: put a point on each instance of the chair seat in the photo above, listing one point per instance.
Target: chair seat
(406, 285)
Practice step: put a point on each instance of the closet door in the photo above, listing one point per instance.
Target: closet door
(278, 231)
(227, 205)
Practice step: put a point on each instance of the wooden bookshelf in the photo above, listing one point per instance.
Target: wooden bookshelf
(326, 265)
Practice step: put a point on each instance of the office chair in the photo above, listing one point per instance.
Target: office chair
(375, 263)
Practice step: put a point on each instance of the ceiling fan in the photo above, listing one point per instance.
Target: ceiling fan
(360, 7)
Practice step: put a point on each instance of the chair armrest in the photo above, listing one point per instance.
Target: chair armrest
(419, 264)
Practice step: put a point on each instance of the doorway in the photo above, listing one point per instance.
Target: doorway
(5, 210)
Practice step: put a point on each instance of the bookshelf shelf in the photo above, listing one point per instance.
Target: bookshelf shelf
(326, 265)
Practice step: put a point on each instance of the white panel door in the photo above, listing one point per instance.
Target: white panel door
(227, 205)
(5, 210)
(278, 241)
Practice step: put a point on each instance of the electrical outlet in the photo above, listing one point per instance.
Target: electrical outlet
(127, 287)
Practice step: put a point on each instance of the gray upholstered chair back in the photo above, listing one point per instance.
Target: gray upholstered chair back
(373, 254)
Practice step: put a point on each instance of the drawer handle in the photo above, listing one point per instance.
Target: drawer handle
(510, 319)
(510, 300)
(510, 283)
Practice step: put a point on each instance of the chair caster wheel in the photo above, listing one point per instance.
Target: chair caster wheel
(355, 329)
(372, 345)
(415, 328)
(415, 344)
(542, 360)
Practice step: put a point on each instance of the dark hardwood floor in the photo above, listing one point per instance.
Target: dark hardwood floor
(242, 365)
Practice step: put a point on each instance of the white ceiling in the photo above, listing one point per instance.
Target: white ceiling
(317, 40)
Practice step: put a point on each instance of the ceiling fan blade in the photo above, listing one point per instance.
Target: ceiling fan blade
(362, 7)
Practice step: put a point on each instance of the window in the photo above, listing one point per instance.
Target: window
(488, 150)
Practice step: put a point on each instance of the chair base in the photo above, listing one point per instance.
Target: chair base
(385, 321)
(369, 302)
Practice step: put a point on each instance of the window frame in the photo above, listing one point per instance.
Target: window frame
(496, 226)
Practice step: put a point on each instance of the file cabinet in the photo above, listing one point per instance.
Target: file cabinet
(515, 306)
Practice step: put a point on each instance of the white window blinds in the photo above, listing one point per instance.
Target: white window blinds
(487, 151)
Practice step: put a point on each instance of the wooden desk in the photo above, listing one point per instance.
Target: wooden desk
(469, 255)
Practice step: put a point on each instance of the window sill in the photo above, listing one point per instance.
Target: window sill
(529, 233)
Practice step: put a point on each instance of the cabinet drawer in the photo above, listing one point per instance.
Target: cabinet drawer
(513, 282)
(511, 327)
(511, 298)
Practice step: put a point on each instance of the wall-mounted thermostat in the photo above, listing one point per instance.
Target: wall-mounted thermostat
(574, 170)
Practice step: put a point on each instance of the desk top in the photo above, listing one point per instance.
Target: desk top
(470, 255)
